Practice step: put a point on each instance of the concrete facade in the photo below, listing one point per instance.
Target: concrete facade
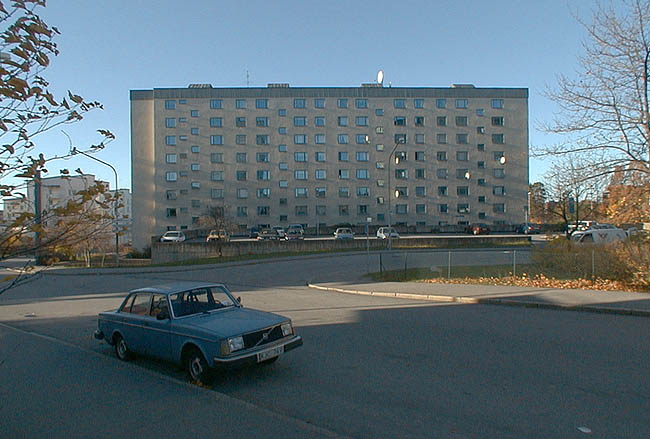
(281, 155)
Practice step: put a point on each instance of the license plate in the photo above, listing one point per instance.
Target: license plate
(265, 355)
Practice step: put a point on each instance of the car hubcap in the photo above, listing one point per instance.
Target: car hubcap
(121, 348)
(195, 368)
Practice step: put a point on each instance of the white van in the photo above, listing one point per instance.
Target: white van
(599, 236)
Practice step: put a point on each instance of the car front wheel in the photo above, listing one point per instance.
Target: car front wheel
(121, 349)
(197, 368)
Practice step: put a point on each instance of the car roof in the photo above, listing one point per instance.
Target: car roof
(175, 287)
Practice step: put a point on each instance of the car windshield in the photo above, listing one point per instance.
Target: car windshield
(200, 300)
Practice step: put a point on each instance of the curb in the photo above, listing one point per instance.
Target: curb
(491, 301)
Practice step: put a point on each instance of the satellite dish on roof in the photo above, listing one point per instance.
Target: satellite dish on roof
(380, 77)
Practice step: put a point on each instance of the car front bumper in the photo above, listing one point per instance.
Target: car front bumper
(251, 357)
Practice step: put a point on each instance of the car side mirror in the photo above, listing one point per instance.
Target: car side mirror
(162, 315)
(239, 300)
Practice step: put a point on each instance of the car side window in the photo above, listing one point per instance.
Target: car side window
(159, 305)
(127, 304)
(141, 304)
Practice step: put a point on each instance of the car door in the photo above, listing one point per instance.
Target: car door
(158, 331)
(134, 320)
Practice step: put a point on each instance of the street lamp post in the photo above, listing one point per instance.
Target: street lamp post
(117, 232)
(399, 141)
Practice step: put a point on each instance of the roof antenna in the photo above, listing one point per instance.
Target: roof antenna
(247, 79)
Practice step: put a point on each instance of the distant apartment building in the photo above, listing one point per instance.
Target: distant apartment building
(328, 155)
(13, 208)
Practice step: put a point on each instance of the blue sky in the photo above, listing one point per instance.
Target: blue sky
(110, 47)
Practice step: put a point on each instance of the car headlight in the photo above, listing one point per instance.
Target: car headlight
(231, 345)
(287, 329)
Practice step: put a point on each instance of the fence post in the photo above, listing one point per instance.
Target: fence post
(449, 265)
(593, 265)
(514, 263)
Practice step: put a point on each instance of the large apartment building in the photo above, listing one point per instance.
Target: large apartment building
(328, 155)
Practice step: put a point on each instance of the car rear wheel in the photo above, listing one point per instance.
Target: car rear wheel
(121, 349)
(197, 368)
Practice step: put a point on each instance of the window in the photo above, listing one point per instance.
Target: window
(282, 130)
(216, 194)
(362, 209)
(284, 166)
(361, 121)
(497, 103)
(216, 104)
(443, 208)
(321, 156)
(240, 175)
(170, 105)
(498, 139)
(498, 155)
(300, 156)
(299, 103)
(380, 165)
(170, 122)
(242, 211)
(182, 137)
(171, 176)
(216, 175)
(240, 121)
(481, 215)
(194, 131)
(480, 147)
(419, 173)
(401, 209)
(461, 121)
(301, 192)
(242, 193)
(262, 121)
(342, 121)
(441, 103)
(361, 103)
(216, 157)
(321, 174)
(441, 156)
(421, 208)
(462, 139)
(240, 157)
(282, 112)
(263, 174)
(462, 173)
(262, 157)
(379, 112)
(170, 158)
(420, 191)
(441, 138)
(401, 192)
(284, 183)
(400, 121)
(499, 208)
(344, 156)
(441, 121)
(379, 130)
(480, 164)
(321, 192)
(300, 139)
(301, 211)
(362, 174)
(319, 103)
(461, 103)
(171, 212)
(344, 192)
(263, 210)
(419, 138)
(362, 139)
(319, 121)
(299, 121)
(462, 208)
(400, 138)
(240, 139)
(216, 122)
(380, 183)
(194, 113)
(342, 103)
(401, 174)
(480, 130)
(261, 103)
(419, 121)
(241, 104)
(442, 173)
(481, 199)
(195, 167)
(300, 174)
(196, 204)
(344, 210)
(399, 103)
(462, 156)
(462, 191)
(363, 191)
(171, 195)
(418, 103)
(182, 120)
(343, 139)
(344, 174)
(497, 121)
(401, 155)
(216, 140)
(379, 147)
(282, 148)
(195, 185)
(170, 140)
(362, 156)
(499, 173)
(499, 190)
(380, 200)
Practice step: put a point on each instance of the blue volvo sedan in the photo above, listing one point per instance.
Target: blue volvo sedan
(199, 326)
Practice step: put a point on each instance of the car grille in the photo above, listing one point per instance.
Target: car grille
(257, 338)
